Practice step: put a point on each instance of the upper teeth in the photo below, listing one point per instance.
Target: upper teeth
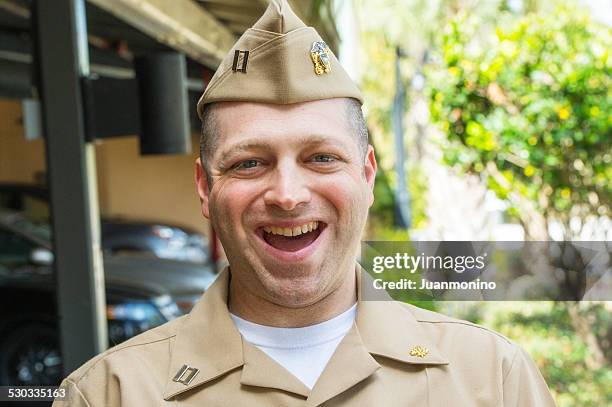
(294, 231)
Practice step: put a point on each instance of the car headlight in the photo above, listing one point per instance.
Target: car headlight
(168, 307)
(130, 318)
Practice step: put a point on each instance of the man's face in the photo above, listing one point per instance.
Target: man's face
(289, 198)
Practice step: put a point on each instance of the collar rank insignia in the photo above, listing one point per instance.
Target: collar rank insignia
(419, 351)
(320, 57)
(185, 375)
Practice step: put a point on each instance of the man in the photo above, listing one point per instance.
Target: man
(286, 178)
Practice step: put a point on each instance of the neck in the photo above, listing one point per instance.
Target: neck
(261, 311)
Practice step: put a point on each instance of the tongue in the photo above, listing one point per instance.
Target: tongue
(291, 244)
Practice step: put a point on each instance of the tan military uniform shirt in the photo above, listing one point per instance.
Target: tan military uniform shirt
(395, 355)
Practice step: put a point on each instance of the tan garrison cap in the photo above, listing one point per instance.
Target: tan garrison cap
(279, 60)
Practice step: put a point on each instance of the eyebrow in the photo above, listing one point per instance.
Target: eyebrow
(256, 143)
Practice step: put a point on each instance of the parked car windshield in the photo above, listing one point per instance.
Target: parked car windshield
(39, 230)
(118, 235)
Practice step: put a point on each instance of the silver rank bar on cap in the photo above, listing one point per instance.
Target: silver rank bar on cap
(241, 59)
(185, 375)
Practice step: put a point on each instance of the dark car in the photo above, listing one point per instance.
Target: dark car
(141, 293)
(119, 235)
(160, 240)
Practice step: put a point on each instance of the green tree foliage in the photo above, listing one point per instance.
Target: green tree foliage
(530, 110)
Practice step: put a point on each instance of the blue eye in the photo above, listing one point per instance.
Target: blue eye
(246, 164)
(323, 158)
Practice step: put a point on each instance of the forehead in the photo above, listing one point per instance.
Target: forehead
(241, 121)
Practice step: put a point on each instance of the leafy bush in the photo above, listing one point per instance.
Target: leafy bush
(530, 110)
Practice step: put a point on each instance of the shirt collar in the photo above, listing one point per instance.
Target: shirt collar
(383, 327)
(212, 351)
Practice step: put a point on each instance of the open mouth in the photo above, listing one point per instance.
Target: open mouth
(292, 239)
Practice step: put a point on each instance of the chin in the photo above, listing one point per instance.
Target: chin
(296, 289)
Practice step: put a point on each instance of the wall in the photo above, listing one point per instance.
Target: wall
(153, 188)
(148, 187)
(20, 159)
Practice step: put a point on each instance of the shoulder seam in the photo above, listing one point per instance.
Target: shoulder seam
(112, 351)
(514, 357)
(76, 387)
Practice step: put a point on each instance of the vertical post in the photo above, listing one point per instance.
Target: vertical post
(402, 195)
(62, 59)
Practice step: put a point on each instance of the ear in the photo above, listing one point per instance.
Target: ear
(201, 181)
(369, 171)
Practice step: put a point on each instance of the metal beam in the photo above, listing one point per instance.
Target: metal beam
(15, 8)
(181, 24)
(16, 61)
(62, 60)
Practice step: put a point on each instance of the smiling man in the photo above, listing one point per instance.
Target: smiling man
(287, 188)
(286, 178)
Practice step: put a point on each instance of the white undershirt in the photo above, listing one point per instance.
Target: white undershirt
(302, 351)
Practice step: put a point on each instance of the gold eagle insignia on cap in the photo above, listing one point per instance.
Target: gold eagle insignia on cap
(419, 351)
(320, 57)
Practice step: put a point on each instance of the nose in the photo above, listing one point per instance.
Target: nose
(288, 187)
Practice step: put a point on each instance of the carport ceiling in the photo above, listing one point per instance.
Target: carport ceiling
(238, 15)
(203, 29)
